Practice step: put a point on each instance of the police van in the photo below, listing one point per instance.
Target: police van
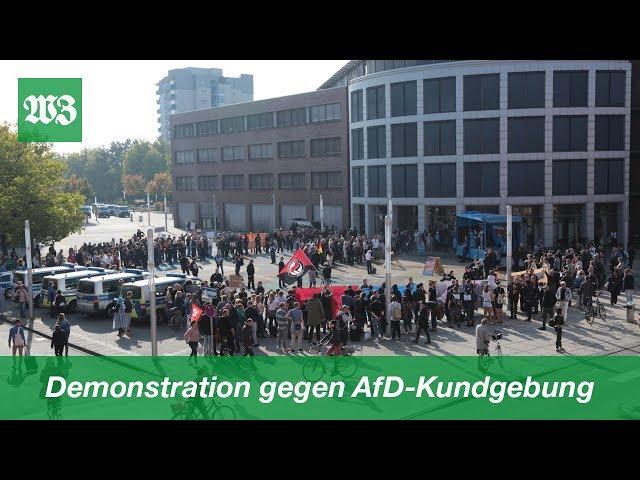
(141, 298)
(67, 283)
(38, 275)
(95, 293)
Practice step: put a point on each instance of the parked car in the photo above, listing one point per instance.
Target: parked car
(103, 212)
(122, 211)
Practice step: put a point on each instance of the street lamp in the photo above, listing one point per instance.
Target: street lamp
(509, 241)
(321, 213)
(166, 225)
(387, 264)
(152, 292)
(27, 240)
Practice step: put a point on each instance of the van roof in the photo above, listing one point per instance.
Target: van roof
(112, 276)
(79, 274)
(47, 269)
(160, 280)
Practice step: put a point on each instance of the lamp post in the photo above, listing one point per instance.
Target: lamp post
(275, 217)
(509, 241)
(387, 264)
(215, 220)
(27, 241)
(148, 210)
(166, 224)
(321, 213)
(152, 292)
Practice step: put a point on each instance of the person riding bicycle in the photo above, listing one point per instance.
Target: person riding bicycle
(483, 338)
(334, 338)
(587, 292)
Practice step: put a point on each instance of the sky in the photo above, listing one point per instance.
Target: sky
(119, 96)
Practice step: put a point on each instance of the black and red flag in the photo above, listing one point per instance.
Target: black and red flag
(296, 267)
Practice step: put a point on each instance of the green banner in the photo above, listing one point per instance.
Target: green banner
(320, 388)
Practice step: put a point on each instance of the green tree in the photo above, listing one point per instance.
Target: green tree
(32, 184)
(80, 185)
(144, 159)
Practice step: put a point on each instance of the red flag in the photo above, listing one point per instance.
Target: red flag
(196, 312)
(296, 267)
(304, 294)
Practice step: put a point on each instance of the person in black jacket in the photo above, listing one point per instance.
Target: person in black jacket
(281, 265)
(614, 285)
(548, 305)
(628, 285)
(423, 322)
(58, 340)
(251, 271)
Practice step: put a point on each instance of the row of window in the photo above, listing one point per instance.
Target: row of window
(318, 147)
(482, 136)
(282, 118)
(482, 179)
(482, 92)
(286, 181)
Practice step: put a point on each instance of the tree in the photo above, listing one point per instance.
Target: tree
(133, 185)
(164, 183)
(152, 188)
(143, 159)
(32, 185)
(80, 185)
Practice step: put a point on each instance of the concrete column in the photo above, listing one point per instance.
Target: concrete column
(589, 211)
(248, 217)
(367, 223)
(427, 217)
(548, 224)
(421, 223)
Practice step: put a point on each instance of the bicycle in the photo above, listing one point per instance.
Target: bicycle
(214, 411)
(485, 360)
(593, 308)
(54, 408)
(345, 364)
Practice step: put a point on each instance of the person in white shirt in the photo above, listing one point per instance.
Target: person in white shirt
(483, 339)
(395, 311)
(368, 257)
(563, 295)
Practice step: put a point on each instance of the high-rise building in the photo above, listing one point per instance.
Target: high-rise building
(188, 89)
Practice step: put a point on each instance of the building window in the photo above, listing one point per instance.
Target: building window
(232, 182)
(404, 99)
(377, 142)
(291, 149)
(357, 144)
(232, 125)
(439, 180)
(375, 102)
(440, 138)
(481, 136)
(526, 134)
(261, 181)
(609, 176)
(184, 183)
(208, 182)
(356, 106)
(481, 92)
(182, 131)
(207, 155)
(570, 133)
(292, 181)
(324, 113)
(324, 147)
(326, 179)
(569, 177)
(185, 156)
(570, 88)
(377, 181)
(404, 140)
(207, 128)
(526, 90)
(357, 181)
(609, 132)
(610, 88)
(259, 120)
(482, 179)
(260, 151)
(295, 116)
(526, 179)
(404, 181)
(232, 153)
(440, 95)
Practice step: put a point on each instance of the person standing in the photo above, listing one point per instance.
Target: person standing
(21, 297)
(548, 306)
(128, 310)
(58, 340)
(204, 326)
(558, 322)
(315, 315)
(119, 316)
(498, 301)
(65, 327)
(282, 324)
(16, 336)
(312, 278)
(423, 322)
(395, 309)
(432, 302)
(251, 271)
(563, 295)
(192, 337)
(295, 318)
(248, 340)
(272, 252)
(239, 263)
(614, 285)
(281, 283)
(368, 257)
(469, 302)
(326, 274)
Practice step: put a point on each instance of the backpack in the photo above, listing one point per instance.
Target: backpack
(397, 314)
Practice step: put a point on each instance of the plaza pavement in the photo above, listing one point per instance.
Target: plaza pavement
(613, 336)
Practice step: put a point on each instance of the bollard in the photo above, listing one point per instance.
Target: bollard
(631, 313)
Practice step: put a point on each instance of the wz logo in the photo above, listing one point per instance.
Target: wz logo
(50, 109)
